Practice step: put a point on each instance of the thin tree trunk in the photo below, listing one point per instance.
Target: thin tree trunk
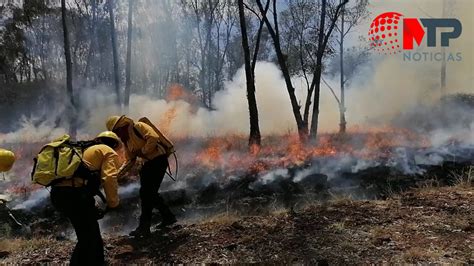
(93, 45)
(342, 106)
(317, 75)
(275, 34)
(70, 93)
(308, 104)
(322, 43)
(114, 51)
(126, 99)
(254, 138)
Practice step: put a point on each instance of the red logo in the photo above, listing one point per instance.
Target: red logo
(384, 33)
(387, 29)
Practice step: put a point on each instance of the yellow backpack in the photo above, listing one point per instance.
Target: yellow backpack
(59, 159)
(165, 145)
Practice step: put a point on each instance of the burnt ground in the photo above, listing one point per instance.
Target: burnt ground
(431, 224)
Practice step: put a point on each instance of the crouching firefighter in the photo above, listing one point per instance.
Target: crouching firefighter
(75, 171)
(142, 139)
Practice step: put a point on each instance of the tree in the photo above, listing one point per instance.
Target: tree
(342, 105)
(316, 56)
(275, 34)
(67, 54)
(213, 24)
(91, 58)
(323, 38)
(126, 99)
(299, 29)
(354, 15)
(113, 36)
(254, 138)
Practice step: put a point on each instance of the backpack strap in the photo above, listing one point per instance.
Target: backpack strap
(92, 177)
(137, 133)
(168, 171)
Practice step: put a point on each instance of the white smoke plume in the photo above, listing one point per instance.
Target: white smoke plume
(380, 91)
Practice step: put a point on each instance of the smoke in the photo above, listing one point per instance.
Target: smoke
(270, 177)
(390, 87)
(37, 198)
(382, 90)
(230, 114)
(32, 130)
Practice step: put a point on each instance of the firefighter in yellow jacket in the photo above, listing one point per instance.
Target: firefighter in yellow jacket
(142, 141)
(75, 198)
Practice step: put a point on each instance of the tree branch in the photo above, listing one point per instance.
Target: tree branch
(333, 22)
(332, 91)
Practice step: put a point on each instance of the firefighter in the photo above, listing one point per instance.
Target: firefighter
(141, 140)
(75, 198)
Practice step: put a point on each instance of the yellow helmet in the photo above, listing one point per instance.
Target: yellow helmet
(7, 158)
(112, 122)
(108, 138)
(108, 134)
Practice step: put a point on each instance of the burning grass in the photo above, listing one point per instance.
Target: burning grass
(286, 151)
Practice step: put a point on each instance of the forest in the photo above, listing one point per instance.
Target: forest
(289, 131)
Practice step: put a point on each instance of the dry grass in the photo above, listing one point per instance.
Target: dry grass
(466, 179)
(19, 245)
(221, 218)
(417, 255)
(380, 235)
(343, 198)
(338, 227)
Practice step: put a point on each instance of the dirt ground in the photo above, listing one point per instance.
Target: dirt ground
(419, 226)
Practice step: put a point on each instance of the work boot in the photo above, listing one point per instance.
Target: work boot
(140, 232)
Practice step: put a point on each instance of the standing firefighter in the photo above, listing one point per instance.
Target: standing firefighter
(72, 193)
(144, 140)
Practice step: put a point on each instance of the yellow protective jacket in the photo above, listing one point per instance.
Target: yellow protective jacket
(145, 146)
(102, 157)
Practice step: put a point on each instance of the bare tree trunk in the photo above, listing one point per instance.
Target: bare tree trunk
(114, 50)
(342, 106)
(126, 99)
(254, 138)
(93, 45)
(308, 104)
(71, 106)
(317, 73)
(275, 34)
(322, 43)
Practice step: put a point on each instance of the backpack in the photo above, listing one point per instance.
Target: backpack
(61, 159)
(165, 145)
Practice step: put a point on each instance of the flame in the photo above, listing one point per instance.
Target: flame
(231, 152)
(230, 155)
(167, 120)
(177, 92)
